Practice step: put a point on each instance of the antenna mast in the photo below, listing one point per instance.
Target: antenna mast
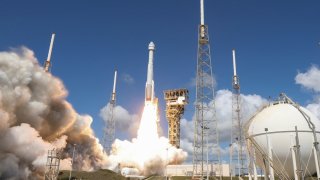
(205, 123)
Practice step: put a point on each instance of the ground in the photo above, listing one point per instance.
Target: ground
(95, 175)
(110, 175)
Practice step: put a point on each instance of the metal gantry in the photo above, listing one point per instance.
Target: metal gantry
(53, 164)
(175, 105)
(109, 130)
(205, 122)
(237, 144)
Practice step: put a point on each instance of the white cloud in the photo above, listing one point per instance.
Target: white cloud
(315, 109)
(249, 106)
(127, 78)
(310, 79)
(125, 122)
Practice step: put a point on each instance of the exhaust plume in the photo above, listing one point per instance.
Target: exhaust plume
(148, 153)
(35, 117)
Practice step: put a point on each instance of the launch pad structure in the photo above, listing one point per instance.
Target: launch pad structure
(109, 130)
(205, 151)
(238, 158)
(175, 105)
(53, 164)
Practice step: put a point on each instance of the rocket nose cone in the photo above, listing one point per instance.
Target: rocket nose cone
(151, 46)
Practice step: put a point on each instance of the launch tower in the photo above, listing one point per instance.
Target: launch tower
(237, 144)
(175, 103)
(109, 130)
(53, 164)
(205, 151)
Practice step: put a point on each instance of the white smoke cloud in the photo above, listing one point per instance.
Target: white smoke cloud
(309, 79)
(35, 118)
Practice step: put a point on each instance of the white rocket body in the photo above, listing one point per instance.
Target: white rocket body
(149, 96)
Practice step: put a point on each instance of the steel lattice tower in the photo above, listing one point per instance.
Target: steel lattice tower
(237, 145)
(109, 130)
(205, 123)
(53, 164)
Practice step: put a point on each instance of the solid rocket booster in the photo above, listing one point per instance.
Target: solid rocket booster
(150, 83)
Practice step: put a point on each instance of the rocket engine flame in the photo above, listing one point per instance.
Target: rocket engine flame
(149, 153)
(147, 132)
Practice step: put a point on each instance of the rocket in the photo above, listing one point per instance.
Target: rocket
(149, 94)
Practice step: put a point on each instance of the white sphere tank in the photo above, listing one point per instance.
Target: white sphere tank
(280, 120)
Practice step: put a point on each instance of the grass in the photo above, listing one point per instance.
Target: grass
(95, 175)
(110, 175)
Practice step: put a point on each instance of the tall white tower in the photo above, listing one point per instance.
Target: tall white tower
(109, 130)
(237, 144)
(205, 122)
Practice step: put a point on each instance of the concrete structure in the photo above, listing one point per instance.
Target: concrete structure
(187, 170)
(175, 103)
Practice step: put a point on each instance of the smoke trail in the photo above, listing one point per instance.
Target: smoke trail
(35, 117)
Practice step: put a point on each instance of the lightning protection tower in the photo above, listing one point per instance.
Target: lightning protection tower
(109, 130)
(205, 150)
(237, 144)
(47, 64)
(53, 164)
(175, 105)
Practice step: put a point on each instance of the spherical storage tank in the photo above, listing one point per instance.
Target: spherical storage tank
(277, 122)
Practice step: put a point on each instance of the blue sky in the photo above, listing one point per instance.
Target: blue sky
(274, 40)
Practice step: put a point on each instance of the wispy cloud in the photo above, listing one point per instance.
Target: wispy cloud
(207, 80)
(127, 78)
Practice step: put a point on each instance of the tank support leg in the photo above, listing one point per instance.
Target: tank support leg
(271, 172)
(316, 161)
(294, 161)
